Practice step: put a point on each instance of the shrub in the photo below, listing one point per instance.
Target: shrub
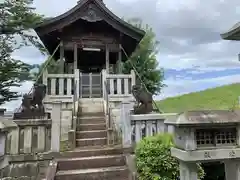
(154, 160)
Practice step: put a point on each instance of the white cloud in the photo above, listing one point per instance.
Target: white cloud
(188, 31)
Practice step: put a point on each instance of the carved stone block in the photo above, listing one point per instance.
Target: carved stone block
(144, 100)
(32, 105)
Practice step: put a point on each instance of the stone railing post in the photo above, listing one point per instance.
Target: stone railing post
(72, 133)
(7, 143)
(56, 126)
(126, 107)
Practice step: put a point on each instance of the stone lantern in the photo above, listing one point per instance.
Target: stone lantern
(207, 136)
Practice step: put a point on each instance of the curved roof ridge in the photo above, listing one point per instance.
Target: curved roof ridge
(231, 32)
(99, 4)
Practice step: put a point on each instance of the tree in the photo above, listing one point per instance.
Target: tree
(52, 66)
(144, 59)
(17, 19)
(154, 160)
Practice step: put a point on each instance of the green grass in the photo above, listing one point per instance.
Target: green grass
(224, 97)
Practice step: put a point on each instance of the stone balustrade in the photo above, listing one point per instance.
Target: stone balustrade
(136, 127)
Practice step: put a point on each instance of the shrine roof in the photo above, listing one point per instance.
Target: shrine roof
(233, 33)
(75, 13)
(205, 117)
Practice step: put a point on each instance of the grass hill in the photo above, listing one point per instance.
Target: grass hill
(224, 97)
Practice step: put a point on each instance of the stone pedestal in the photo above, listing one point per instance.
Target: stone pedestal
(232, 169)
(188, 171)
(56, 126)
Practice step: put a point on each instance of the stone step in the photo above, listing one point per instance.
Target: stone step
(110, 173)
(91, 120)
(91, 127)
(92, 151)
(91, 142)
(91, 162)
(91, 134)
(91, 114)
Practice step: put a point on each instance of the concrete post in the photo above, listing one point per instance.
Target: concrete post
(8, 143)
(56, 126)
(232, 169)
(125, 121)
(188, 171)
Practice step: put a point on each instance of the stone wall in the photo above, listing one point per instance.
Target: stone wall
(29, 170)
(66, 118)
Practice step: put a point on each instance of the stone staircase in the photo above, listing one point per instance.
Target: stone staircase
(93, 159)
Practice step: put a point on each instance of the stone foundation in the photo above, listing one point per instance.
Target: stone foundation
(24, 170)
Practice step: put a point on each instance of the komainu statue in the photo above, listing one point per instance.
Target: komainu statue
(39, 92)
(32, 105)
(144, 100)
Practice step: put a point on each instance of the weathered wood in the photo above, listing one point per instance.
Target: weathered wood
(53, 86)
(119, 61)
(62, 57)
(98, 42)
(61, 86)
(119, 83)
(80, 12)
(75, 49)
(60, 76)
(107, 58)
(77, 83)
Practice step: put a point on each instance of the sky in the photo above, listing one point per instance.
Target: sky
(192, 53)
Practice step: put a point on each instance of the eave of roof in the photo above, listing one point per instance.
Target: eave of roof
(205, 117)
(100, 4)
(233, 33)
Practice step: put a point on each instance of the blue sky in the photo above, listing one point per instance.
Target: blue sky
(193, 55)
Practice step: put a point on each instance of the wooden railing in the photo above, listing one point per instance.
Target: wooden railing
(119, 85)
(59, 87)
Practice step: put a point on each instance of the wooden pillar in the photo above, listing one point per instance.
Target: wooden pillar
(107, 58)
(62, 63)
(75, 49)
(119, 61)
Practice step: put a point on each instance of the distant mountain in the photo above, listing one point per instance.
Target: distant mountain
(223, 97)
